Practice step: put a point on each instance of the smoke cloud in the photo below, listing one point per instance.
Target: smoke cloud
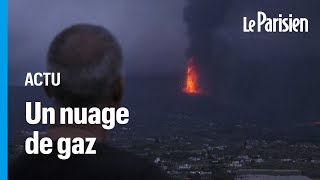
(203, 19)
(270, 77)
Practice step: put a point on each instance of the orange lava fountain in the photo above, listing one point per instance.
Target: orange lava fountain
(191, 82)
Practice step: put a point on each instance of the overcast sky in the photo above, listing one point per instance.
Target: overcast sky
(151, 32)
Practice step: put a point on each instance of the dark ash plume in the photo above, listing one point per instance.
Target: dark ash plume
(203, 18)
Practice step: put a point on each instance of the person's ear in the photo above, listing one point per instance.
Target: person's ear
(117, 93)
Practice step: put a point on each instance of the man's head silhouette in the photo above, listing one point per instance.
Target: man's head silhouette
(89, 60)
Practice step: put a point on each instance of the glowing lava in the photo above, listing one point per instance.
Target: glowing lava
(191, 85)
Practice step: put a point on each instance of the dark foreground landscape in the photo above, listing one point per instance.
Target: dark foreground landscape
(194, 136)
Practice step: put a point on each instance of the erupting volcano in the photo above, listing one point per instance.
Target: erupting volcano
(191, 85)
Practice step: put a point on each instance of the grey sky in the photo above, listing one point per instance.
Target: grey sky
(151, 33)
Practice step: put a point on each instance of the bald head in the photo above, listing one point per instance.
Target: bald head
(89, 60)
